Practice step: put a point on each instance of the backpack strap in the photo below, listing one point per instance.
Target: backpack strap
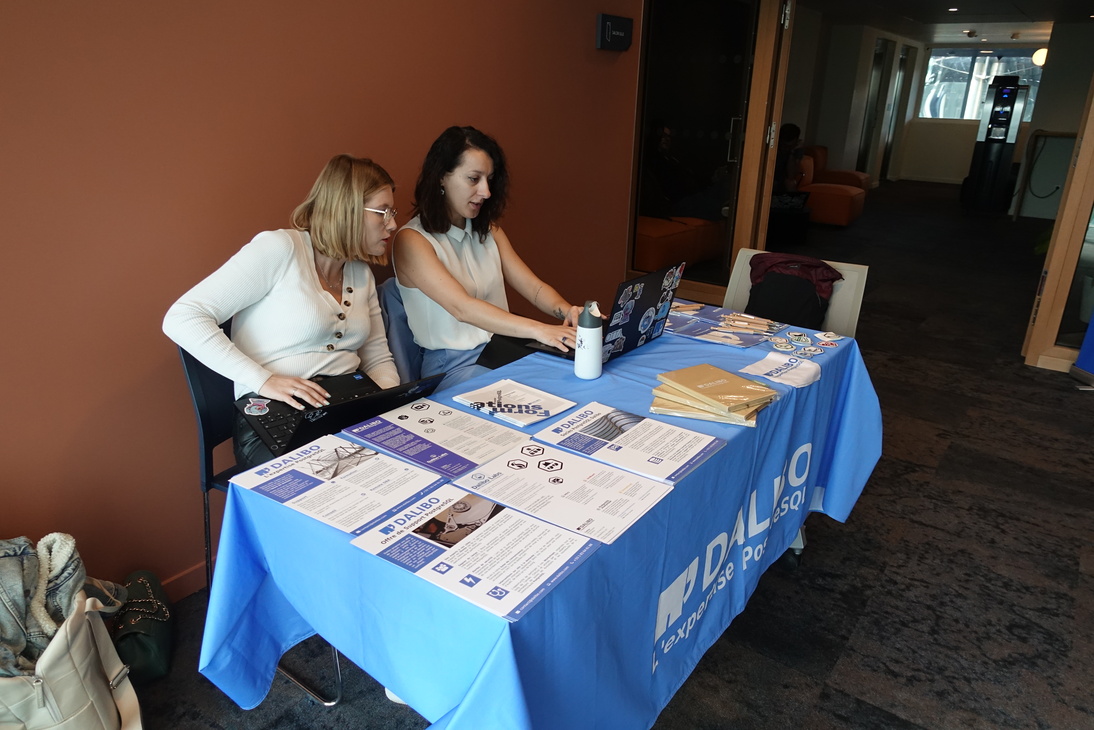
(117, 674)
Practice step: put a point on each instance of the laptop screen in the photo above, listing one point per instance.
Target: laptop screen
(640, 310)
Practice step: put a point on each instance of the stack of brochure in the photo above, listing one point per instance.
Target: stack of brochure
(710, 394)
(720, 325)
(515, 402)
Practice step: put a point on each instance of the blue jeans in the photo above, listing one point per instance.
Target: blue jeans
(458, 364)
(23, 637)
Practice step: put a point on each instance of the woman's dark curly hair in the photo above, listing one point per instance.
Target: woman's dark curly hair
(444, 157)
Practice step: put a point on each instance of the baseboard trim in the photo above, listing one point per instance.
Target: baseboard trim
(189, 581)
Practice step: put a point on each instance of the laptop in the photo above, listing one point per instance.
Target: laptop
(354, 397)
(639, 312)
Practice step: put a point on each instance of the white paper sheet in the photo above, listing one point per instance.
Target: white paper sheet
(339, 482)
(567, 490)
(497, 558)
(645, 446)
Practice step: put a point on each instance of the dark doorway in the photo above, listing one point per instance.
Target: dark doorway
(698, 62)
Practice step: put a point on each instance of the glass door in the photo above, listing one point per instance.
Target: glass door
(1079, 301)
(698, 62)
(1065, 297)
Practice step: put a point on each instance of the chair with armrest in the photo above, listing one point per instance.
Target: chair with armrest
(836, 205)
(213, 398)
(821, 173)
(843, 306)
(400, 340)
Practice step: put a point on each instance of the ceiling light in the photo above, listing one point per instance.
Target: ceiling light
(1039, 56)
(954, 10)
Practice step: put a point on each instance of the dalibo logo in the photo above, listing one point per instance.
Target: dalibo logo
(409, 515)
(790, 364)
(717, 569)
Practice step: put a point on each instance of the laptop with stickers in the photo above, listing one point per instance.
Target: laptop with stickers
(354, 397)
(639, 312)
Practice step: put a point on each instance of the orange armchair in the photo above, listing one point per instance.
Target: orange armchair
(821, 173)
(830, 203)
(661, 242)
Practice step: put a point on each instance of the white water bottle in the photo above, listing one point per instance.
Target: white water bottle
(588, 357)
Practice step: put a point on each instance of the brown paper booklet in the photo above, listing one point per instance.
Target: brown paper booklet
(717, 388)
(666, 407)
(667, 392)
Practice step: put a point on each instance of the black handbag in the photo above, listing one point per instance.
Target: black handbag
(143, 630)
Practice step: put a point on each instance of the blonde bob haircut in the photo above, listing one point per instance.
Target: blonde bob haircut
(333, 212)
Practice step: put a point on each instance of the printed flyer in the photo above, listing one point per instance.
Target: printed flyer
(497, 558)
(638, 444)
(698, 329)
(567, 490)
(515, 402)
(438, 437)
(339, 482)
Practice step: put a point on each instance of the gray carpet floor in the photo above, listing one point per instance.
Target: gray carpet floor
(959, 594)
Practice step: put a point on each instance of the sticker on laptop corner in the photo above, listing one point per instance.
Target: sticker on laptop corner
(257, 406)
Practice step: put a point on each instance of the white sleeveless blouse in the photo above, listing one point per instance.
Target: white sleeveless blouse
(477, 266)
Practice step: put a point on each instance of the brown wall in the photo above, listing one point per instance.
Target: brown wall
(141, 144)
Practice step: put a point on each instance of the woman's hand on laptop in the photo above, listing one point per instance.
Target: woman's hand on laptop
(559, 336)
(574, 314)
(291, 390)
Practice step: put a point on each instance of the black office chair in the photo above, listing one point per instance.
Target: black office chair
(214, 408)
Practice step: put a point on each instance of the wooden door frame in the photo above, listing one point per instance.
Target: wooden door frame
(767, 84)
(1040, 348)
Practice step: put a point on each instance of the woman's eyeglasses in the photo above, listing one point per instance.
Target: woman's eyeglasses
(388, 214)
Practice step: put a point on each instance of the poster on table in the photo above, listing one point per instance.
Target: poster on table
(436, 436)
(638, 444)
(341, 483)
(498, 558)
(565, 489)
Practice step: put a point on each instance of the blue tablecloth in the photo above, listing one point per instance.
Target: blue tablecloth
(610, 645)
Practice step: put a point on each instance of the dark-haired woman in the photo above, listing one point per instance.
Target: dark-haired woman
(452, 261)
(302, 301)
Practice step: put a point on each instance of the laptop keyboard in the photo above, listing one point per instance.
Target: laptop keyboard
(281, 423)
(280, 427)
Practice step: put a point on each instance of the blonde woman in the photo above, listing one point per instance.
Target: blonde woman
(302, 301)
